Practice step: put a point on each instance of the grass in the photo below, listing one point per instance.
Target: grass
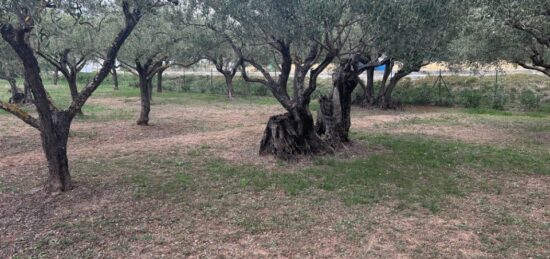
(414, 170)
(192, 200)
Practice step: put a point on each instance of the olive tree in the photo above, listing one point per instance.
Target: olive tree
(301, 39)
(67, 44)
(157, 44)
(18, 20)
(10, 71)
(216, 49)
(415, 33)
(506, 31)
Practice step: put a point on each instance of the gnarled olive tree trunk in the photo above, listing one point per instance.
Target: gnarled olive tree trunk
(334, 115)
(292, 134)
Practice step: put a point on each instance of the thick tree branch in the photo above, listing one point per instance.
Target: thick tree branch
(24, 116)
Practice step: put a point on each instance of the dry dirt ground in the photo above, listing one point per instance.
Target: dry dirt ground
(128, 203)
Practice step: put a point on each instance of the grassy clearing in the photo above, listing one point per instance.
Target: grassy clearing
(419, 195)
(415, 170)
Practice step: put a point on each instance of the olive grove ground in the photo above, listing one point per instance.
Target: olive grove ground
(423, 182)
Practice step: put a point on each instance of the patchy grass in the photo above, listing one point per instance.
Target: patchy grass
(144, 192)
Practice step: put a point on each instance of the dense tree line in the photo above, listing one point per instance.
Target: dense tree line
(299, 38)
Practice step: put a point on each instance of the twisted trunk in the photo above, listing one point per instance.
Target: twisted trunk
(334, 115)
(292, 134)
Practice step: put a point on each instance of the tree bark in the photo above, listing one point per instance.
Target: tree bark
(54, 143)
(27, 92)
(73, 88)
(334, 118)
(115, 78)
(145, 89)
(229, 85)
(292, 134)
(386, 102)
(159, 81)
(368, 98)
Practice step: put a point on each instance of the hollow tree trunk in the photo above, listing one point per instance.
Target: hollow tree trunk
(159, 81)
(54, 143)
(229, 85)
(292, 134)
(115, 78)
(145, 89)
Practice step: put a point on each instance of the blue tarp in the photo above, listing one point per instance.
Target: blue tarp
(380, 68)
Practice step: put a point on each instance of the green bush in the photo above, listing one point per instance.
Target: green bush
(499, 100)
(529, 100)
(420, 95)
(471, 98)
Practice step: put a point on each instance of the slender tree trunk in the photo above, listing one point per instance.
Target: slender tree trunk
(386, 101)
(387, 73)
(229, 85)
(145, 89)
(55, 76)
(370, 87)
(16, 96)
(292, 134)
(54, 143)
(13, 86)
(159, 81)
(115, 78)
(367, 99)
